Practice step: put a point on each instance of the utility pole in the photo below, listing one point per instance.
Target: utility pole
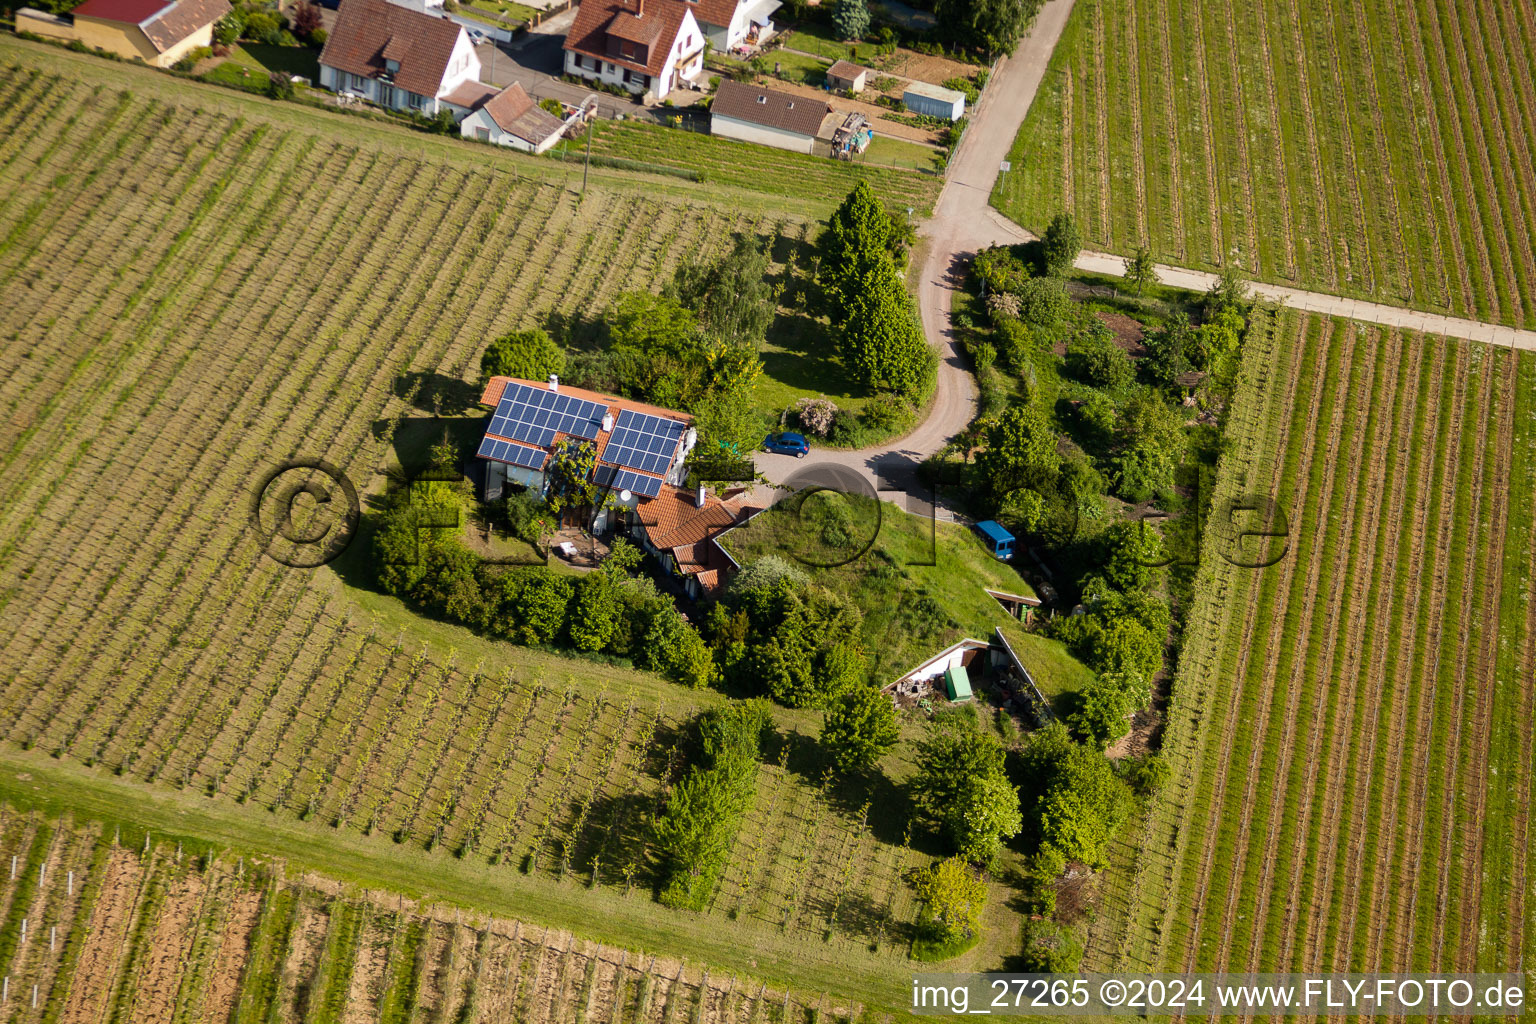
(588, 163)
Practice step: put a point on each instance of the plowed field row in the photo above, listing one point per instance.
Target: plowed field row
(127, 929)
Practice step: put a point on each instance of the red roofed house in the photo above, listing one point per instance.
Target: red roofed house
(732, 23)
(511, 118)
(640, 455)
(158, 32)
(646, 46)
(681, 528)
(402, 59)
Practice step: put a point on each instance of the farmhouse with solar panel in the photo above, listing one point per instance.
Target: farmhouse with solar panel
(640, 461)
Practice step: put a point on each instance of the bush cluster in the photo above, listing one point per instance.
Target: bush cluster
(696, 831)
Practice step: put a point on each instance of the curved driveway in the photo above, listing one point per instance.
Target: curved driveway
(963, 222)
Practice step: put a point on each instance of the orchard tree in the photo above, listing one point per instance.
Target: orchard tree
(1102, 713)
(1062, 243)
(1130, 552)
(953, 895)
(732, 296)
(1020, 453)
(860, 728)
(530, 354)
(985, 813)
(1140, 269)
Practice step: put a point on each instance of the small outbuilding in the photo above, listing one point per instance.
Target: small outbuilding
(847, 76)
(511, 118)
(934, 101)
(158, 32)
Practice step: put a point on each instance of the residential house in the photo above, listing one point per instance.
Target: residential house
(511, 118)
(728, 24)
(846, 76)
(648, 47)
(934, 101)
(154, 31)
(770, 118)
(638, 450)
(681, 528)
(402, 59)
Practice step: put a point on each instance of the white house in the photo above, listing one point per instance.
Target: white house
(768, 117)
(731, 23)
(511, 118)
(401, 58)
(646, 46)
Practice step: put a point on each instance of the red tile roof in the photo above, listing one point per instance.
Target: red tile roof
(786, 111)
(655, 25)
(129, 12)
(673, 520)
(714, 12)
(367, 29)
(187, 17)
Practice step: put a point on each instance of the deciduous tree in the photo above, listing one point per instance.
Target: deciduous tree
(860, 728)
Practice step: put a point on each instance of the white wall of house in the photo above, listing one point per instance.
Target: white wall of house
(463, 66)
(479, 125)
(723, 37)
(746, 131)
(685, 59)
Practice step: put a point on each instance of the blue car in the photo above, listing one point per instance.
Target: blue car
(786, 444)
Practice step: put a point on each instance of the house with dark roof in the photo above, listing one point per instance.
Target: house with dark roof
(402, 59)
(728, 24)
(511, 118)
(649, 47)
(769, 117)
(157, 32)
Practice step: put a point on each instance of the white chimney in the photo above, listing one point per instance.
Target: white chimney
(698, 498)
(607, 422)
(554, 382)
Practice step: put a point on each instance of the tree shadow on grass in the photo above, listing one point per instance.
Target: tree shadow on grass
(437, 393)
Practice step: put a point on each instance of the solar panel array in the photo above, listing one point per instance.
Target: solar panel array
(536, 415)
(642, 442)
(616, 480)
(516, 454)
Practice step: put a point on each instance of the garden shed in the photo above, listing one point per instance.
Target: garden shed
(934, 101)
(846, 75)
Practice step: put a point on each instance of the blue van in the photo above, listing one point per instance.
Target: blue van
(998, 540)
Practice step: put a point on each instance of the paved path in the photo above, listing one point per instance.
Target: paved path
(1333, 305)
(963, 222)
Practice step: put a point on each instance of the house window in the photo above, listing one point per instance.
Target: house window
(483, 134)
(417, 100)
(589, 63)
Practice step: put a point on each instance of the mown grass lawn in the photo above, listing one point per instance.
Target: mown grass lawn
(292, 60)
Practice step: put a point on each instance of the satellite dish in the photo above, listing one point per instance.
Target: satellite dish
(625, 495)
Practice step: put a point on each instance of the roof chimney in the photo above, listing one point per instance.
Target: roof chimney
(698, 497)
(639, 8)
(607, 422)
(554, 382)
